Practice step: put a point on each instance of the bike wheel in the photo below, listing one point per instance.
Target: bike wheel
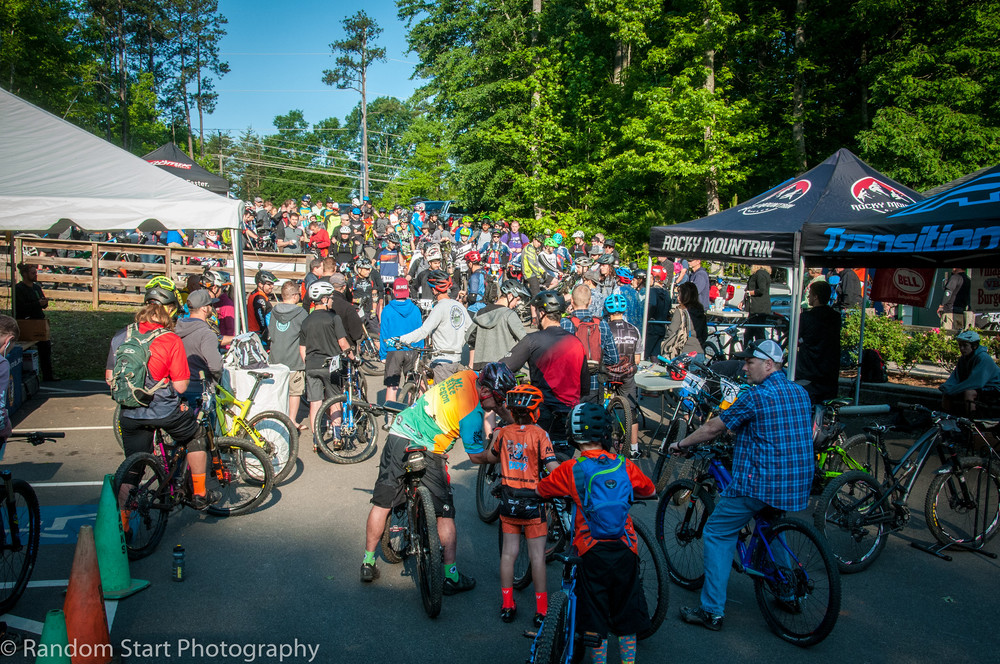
(964, 508)
(652, 577)
(713, 353)
(346, 443)
(522, 564)
(145, 505)
(17, 560)
(396, 535)
(407, 393)
(371, 365)
(799, 590)
(681, 514)
(116, 426)
(860, 453)
(553, 636)
(237, 464)
(854, 519)
(427, 546)
(670, 468)
(281, 438)
(487, 505)
(621, 425)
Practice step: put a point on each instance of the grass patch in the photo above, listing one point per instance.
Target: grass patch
(81, 337)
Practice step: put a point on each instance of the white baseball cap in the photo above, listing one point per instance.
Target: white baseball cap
(768, 349)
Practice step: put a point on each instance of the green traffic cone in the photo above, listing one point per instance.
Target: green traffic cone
(112, 556)
(54, 642)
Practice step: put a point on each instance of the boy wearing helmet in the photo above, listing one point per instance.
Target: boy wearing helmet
(628, 349)
(609, 588)
(522, 449)
(976, 377)
(453, 408)
(445, 325)
(259, 303)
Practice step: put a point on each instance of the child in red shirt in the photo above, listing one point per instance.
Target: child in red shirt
(522, 449)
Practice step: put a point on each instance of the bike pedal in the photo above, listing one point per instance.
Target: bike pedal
(591, 640)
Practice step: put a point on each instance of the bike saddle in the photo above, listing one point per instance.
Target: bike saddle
(878, 429)
(263, 375)
(395, 406)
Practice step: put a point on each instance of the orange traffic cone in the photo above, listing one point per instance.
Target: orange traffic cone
(86, 620)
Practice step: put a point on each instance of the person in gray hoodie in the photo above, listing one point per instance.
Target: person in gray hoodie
(497, 327)
(283, 330)
(201, 343)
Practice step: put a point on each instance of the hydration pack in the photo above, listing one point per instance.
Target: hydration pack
(605, 492)
(246, 352)
(128, 378)
(589, 333)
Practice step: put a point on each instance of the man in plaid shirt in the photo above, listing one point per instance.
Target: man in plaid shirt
(772, 466)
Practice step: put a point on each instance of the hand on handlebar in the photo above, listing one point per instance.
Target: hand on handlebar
(675, 448)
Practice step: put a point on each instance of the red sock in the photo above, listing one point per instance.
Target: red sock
(198, 482)
(541, 603)
(508, 598)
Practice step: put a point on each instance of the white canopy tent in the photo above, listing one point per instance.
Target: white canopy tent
(53, 173)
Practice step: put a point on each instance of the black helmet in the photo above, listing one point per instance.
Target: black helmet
(439, 281)
(362, 263)
(265, 277)
(549, 301)
(515, 288)
(606, 259)
(392, 237)
(162, 295)
(497, 378)
(588, 423)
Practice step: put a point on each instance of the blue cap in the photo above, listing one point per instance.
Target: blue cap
(355, 210)
(365, 198)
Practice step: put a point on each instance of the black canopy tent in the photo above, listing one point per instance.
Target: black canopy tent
(766, 230)
(959, 227)
(173, 160)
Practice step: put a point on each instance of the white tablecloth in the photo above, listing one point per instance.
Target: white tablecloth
(273, 392)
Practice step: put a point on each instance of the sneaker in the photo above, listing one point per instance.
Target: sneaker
(508, 615)
(633, 455)
(539, 617)
(464, 583)
(211, 497)
(369, 572)
(701, 617)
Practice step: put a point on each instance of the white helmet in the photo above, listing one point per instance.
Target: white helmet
(319, 290)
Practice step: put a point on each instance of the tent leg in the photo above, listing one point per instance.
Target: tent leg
(794, 312)
(645, 306)
(861, 340)
(239, 282)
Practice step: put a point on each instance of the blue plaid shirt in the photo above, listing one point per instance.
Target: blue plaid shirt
(609, 354)
(773, 459)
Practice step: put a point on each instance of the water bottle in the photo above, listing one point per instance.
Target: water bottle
(178, 572)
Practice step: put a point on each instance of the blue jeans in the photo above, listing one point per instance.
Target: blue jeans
(721, 532)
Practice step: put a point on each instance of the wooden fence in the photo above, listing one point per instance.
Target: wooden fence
(110, 272)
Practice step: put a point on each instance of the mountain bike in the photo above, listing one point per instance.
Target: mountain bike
(857, 511)
(151, 486)
(20, 528)
(724, 343)
(795, 576)
(368, 349)
(622, 418)
(557, 640)
(411, 531)
(835, 452)
(354, 438)
(419, 377)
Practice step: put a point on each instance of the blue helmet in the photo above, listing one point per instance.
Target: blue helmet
(624, 275)
(615, 304)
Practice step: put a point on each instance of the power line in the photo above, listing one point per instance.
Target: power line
(300, 169)
(320, 147)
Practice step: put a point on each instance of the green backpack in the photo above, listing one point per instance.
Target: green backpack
(128, 378)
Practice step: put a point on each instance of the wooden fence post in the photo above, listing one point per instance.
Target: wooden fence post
(95, 277)
(168, 264)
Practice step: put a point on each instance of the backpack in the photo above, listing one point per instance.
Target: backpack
(492, 291)
(128, 378)
(589, 333)
(246, 352)
(873, 369)
(605, 492)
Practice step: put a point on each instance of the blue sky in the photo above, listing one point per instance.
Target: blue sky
(277, 52)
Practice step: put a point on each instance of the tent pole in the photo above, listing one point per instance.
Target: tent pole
(794, 312)
(645, 306)
(861, 339)
(239, 282)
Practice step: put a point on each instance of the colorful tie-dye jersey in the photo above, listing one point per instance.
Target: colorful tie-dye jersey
(446, 411)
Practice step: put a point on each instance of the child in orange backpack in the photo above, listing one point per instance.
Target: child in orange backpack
(522, 449)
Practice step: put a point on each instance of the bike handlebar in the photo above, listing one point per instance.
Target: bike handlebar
(879, 409)
(38, 437)
(936, 414)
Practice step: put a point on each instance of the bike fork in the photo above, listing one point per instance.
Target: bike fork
(8, 484)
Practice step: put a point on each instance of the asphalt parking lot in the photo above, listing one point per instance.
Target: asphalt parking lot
(286, 576)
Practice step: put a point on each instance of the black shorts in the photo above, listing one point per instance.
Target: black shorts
(389, 487)
(398, 362)
(321, 384)
(609, 590)
(628, 390)
(182, 427)
(534, 286)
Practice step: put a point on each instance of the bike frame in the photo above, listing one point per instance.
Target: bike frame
(239, 427)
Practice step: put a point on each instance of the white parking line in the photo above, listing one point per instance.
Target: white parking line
(34, 484)
(70, 391)
(35, 627)
(101, 428)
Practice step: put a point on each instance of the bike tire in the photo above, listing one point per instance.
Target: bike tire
(621, 425)
(371, 364)
(146, 505)
(396, 535)
(865, 456)
(954, 518)
(282, 438)
(681, 514)
(553, 636)
(116, 426)
(652, 577)
(713, 353)
(487, 505)
(844, 516)
(427, 546)
(17, 563)
(812, 580)
(669, 469)
(522, 564)
(354, 445)
(239, 464)
(407, 393)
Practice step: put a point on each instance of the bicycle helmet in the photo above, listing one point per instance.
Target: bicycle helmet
(211, 278)
(968, 336)
(319, 290)
(344, 230)
(439, 281)
(432, 253)
(515, 288)
(264, 277)
(525, 398)
(583, 262)
(392, 237)
(465, 231)
(473, 257)
(615, 304)
(362, 264)
(557, 238)
(468, 219)
(606, 259)
(497, 378)
(588, 423)
(162, 295)
(551, 243)
(162, 282)
(624, 275)
(549, 301)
